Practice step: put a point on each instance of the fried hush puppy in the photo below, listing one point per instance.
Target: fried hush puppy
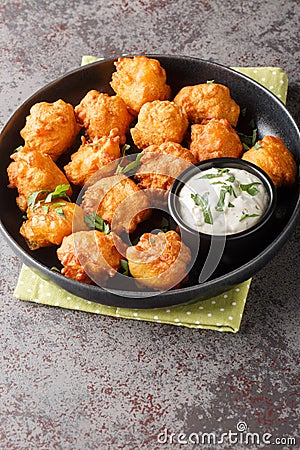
(51, 128)
(99, 113)
(89, 256)
(158, 122)
(160, 165)
(271, 155)
(118, 201)
(159, 261)
(92, 157)
(208, 101)
(33, 171)
(215, 138)
(48, 224)
(139, 80)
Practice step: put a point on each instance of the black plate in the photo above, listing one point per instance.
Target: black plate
(271, 118)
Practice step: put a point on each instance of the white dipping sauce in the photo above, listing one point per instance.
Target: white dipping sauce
(222, 201)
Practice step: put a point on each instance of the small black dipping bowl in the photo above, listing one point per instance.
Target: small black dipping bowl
(230, 249)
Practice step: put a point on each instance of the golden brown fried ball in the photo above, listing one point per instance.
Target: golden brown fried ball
(271, 155)
(99, 113)
(159, 121)
(33, 171)
(159, 261)
(49, 223)
(139, 80)
(89, 256)
(208, 101)
(94, 156)
(118, 201)
(215, 138)
(51, 128)
(160, 165)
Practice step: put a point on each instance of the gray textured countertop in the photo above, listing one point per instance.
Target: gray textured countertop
(71, 380)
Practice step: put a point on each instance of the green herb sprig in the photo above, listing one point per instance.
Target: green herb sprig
(248, 141)
(219, 173)
(250, 188)
(59, 192)
(202, 202)
(226, 189)
(245, 216)
(221, 202)
(125, 267)
(131, 167)
(165, 225)
(125, 149)
(96, 223)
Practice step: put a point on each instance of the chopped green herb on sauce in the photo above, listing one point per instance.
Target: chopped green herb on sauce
(202, 201)
(245, 216)
(250, 188)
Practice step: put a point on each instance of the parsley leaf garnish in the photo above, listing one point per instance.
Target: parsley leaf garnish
(243, 112)
(202, 202)
(59, 192)
(60, 211)
(231, 179)
(244, 216)
(95, 222)
(219, 173)
(165, 224)
(131, 167)
(250, 188)
(125, 149)
(221, 202)
(33, 198)
(125, 267)
(248, 141)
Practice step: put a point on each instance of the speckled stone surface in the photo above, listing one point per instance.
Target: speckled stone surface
(71, 380)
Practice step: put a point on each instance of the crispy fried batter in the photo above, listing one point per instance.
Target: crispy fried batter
(118, 201)
(92, 157)
(271, 155)
(139, 80)
(50, 128)
(33, 171)
(48, 224)
(215, 138)
(208, 101)
(89, 256)
(158, 122)
(160, 165)
(159, 261)
(100, 113)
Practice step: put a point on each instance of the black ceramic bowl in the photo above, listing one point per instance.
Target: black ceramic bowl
(217, 248)
(271, 118)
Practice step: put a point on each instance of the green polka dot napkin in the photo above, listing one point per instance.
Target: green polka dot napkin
(221, 313)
